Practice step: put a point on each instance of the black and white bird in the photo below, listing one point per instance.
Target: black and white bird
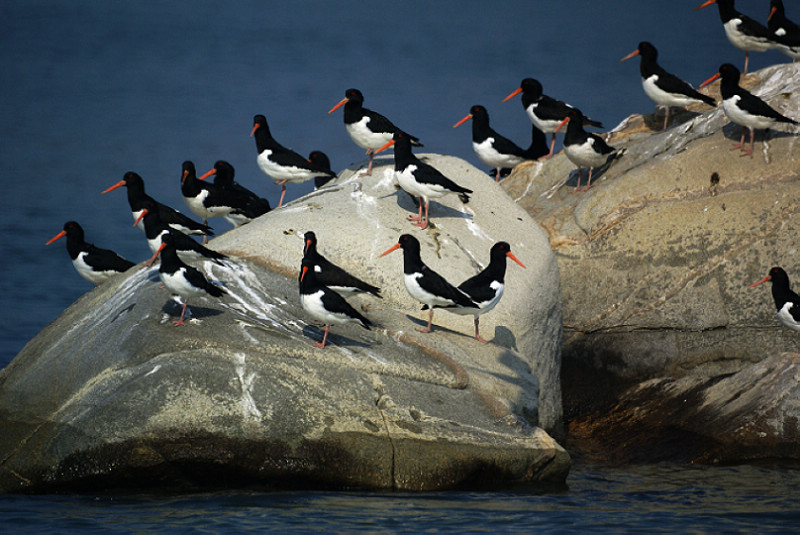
(786, 301)
(331, 275)
(420, 179)
(585, 149)
(203, 199)
(244, 204)
(783, 31)
(424, 284)
(279, 163)
(664, 88)
(94, 264)
(743, 32)
(486, 288)
(492, 149)
(368, 129)
(744, 108)
(545, 113)
(320, 161)
(137, 198)
(187, 249)
(323, 303)
(180, 279)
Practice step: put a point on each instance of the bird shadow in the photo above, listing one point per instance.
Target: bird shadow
(172, 308)
(677, 116)
(316, 333)
(583, 174)
(733, 132)
(408, 202)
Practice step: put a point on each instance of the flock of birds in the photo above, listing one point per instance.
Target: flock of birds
(322, 283)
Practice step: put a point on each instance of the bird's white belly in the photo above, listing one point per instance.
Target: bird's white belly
(491, 157)
(741, 118)
(417, 292)
(584, 155)
(177, 284)
(663, 98)
(787, 319)
(86, 271)
(277, 172)
(312, 303)
(366, 138)
(543, 125)
(742, 41)
(196, 205)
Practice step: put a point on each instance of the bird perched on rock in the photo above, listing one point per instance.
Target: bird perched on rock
(664, 88)
(743, 32)
(492, 149)
(323, 303)
(784, 32)
(786, 301)
(204, 199)
(244, 204)
(279, 163)
(585, 149)
(137, 198)
(420, 179)
(424, 284)
(320, 161)
(94, 264)
(545, 113)
(180, 279)
(486, 288)
(368, 129)
(744, 108)
(330, 275)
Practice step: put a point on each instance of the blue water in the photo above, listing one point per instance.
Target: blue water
(92, 89)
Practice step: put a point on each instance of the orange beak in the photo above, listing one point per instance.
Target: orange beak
(514, 258)
(255, 127)
(115, 186)
(141, 216)
(341, 103)
(390, 249)
(183, 178)
(765, 279)
(303, 272)
(464, 120)
(565, 121)
(706, 4)
(389, 144)
(629, 56)
(771, 12)
(516, 92)
(153, 258)
(208, 174)
(56, 237)
(710, 80)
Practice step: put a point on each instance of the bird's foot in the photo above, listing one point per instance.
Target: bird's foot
(425, 330)
(480, 339)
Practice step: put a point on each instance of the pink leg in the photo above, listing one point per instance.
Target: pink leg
(430, 321)
(477, 334)
(423, 224)
(748, 152)
(418, 217)
(180, 321)
(283, 192)
(552, 147)
(578, 186)
(588, 182)
(741, 141)
(666, 119)
(746, 61)
(324, 337)
(371, 156)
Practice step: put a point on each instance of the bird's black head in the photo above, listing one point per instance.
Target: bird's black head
(224, 169)
(478, 111)
(647, 50)
(72, 228)
(132, 179)
(729, 72)
(187, 170)
(320, 160)
(309, 242)
(531, 87)
(354, 95)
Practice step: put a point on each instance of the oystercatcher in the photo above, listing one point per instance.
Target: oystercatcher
(424, 284)
(544, 112)
(202, 198)
(784, 32)
(744, 108)
(244, 204)
(743, 32)
(420, 179)
(486, 288)
(279, 163)
(323, 303)
(585, 149)
(492, 149)
(368, 129)
(137, 198)
(331, 275)
(320, 160)
(664, 88)
(786, 301)
(188, 249)
(94, 264)
(180, 279)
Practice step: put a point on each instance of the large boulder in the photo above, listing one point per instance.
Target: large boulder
(656, 257)
(111, 394)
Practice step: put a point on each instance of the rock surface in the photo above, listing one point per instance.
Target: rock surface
(112, 395)
(656, 258)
